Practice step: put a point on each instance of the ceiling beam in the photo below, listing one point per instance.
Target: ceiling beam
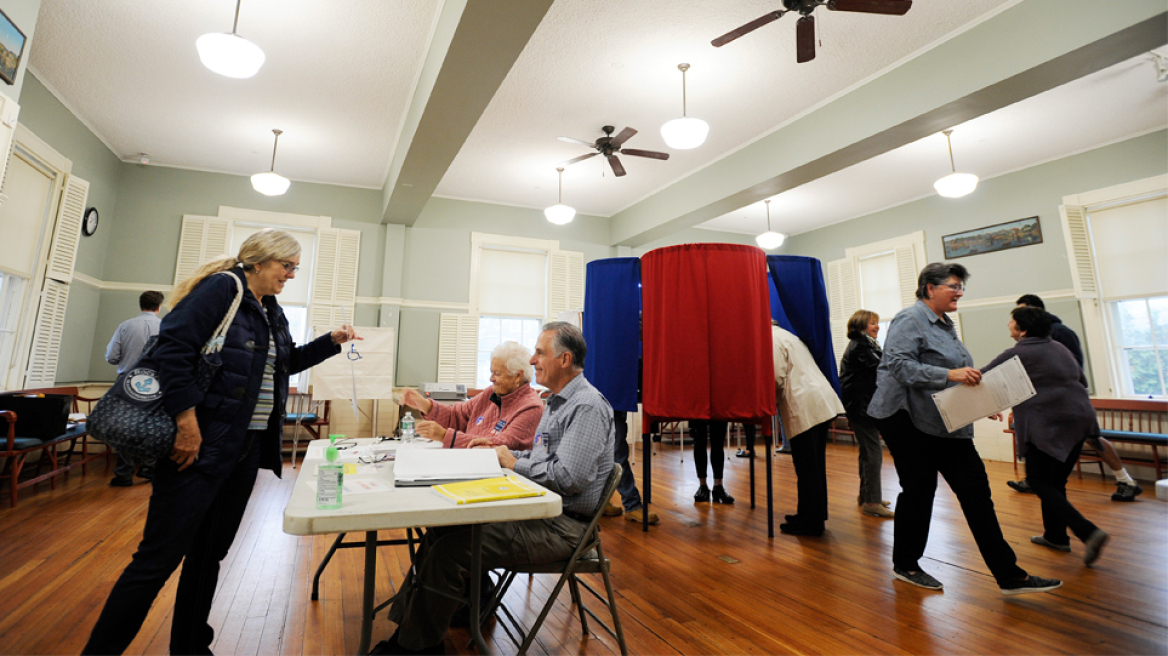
(475, 43)
(1025, 50)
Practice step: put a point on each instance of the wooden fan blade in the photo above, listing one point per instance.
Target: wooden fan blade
(893, 7)
(569, 162)
(805, 39)
(617, 169)
(747, 29)
(624, 136)
(651, 154)
(577, 141)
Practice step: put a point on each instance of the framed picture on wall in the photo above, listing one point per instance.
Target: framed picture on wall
(11, 48)
(998, 237)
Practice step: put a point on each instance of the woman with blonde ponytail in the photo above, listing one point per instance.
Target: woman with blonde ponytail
(225, 436)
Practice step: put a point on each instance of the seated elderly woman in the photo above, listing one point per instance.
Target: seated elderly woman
(507, 413)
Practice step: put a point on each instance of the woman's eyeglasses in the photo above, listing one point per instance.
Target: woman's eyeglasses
(288, 266)
(375, 459)
(956, 288)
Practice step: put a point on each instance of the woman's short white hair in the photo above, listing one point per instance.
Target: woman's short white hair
(516, 358)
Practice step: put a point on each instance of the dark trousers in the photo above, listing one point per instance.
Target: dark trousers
(713, 432)
(630, 496)
(192, 520)
(919, 457)
(871, 457)
(809, 455)
(1048, 476)
(127, 466)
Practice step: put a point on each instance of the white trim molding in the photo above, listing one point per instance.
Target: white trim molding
(1010, 300)
(274, 218)
(119, 286)
(413, 303)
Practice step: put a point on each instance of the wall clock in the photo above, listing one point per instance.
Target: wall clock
(89, 222)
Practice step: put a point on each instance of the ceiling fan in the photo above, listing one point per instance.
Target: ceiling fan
(610, 147)
(805, 28)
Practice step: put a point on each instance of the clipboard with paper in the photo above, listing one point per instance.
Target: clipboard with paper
(1001, 388)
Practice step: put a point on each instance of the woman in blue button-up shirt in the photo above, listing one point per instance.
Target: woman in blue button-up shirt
(922, 355)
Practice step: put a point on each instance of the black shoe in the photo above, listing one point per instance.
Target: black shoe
(118, 481)
(146, 473)
(1030, 584)
(791, 519)
(702, 495)
(799, 529)
(392, 647)
(744, 453)
(1094, 543)
(1021, 486)
(1041, 541)
(919, 578)
(1125, 492)
(720, 495)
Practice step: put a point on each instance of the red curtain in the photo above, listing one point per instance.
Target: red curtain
(707, 333)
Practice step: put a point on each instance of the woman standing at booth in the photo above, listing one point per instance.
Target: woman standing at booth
(224, 437)
(923, 355)
(857, 385)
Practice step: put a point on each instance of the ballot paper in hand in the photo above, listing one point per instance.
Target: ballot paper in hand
(1003, 387)
(415, 467)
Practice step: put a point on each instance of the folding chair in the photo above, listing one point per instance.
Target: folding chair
(588, 558)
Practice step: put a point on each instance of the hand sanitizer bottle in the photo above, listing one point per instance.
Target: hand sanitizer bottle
(330, 481)
(407, 428)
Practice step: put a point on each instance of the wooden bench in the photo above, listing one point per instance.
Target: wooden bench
(1123, 421)
(16, 449)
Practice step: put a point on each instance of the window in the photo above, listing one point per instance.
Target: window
(493, 331)
(11, 288)
(1141, 334)
(880, 288)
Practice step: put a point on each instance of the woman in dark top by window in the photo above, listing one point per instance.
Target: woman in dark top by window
(858, 384)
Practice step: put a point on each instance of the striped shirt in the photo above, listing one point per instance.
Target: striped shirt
(572, 453)
(267, 398)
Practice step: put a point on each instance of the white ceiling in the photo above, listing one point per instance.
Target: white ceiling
(130, 71)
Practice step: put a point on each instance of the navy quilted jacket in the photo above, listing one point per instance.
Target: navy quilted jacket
(224, 412)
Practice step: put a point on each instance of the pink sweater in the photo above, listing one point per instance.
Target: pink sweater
(511, 424)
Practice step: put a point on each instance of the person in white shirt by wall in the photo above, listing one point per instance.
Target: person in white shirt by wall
(124, 350)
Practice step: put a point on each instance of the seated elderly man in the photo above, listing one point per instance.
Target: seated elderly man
(506, 414)
(572, 456)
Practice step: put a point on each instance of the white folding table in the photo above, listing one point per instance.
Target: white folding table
(402, 508)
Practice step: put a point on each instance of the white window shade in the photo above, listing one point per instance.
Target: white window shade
(880, 285)
(512, 282)
(1130, 244)
(22, 216)
(296, 289)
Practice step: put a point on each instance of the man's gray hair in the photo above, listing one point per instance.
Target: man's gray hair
(516, 359)
(568, 338)
(936, 273)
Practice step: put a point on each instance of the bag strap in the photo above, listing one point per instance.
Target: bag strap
(215, 344)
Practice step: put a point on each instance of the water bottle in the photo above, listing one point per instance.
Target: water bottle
(407, 428)
(330, 481)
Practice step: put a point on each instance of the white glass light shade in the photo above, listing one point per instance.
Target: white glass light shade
(269, 183)
(956, 185)
(230, 55)
(685, 132)
(770, 240)
(560, 214)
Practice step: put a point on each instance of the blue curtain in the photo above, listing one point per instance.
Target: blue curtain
(802, 298)
(612, 329)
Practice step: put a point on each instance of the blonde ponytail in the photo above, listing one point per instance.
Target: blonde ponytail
(221, 263)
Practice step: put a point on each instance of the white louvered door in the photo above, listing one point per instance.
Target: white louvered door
(334, 279)
(67, 232)
(843, 300)
(565, 282)
(906, 271)
(203, 238)
(46, 339)
(458, 337)
(1078, 239)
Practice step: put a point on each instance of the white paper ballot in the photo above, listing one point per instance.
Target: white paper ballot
(435, 466)
(1003, 387)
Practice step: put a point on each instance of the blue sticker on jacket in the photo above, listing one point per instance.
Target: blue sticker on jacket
(478, 421)
(499, 426)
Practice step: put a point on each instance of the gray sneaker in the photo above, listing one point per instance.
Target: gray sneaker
(1031, 584)
(921, 579)
(1094, 544)
(1125, 492)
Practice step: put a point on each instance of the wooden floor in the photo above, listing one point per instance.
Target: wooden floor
(706, 581)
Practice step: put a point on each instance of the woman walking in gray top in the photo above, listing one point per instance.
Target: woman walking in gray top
(923, 355)
(1051, 427)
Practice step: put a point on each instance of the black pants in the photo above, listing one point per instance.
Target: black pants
(714, 432)
(919, 457)
(809, 455)
(192, 520)
(630, 496)
(1048, 476)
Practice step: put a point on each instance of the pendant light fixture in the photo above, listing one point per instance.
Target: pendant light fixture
(270, 183)
(230, 54)
(685, 132)
(560, 213)
(770, 239)
(955, 185)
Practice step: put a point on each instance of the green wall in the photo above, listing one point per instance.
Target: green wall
(23, 14)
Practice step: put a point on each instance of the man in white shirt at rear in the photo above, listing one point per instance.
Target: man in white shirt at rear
(124, 350)
(808, 404)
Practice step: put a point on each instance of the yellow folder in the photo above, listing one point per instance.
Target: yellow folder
(486, 489)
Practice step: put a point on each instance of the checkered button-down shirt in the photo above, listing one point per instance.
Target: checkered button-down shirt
(572, 452)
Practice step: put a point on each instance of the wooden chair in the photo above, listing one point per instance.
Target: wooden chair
(307, 415)
(588, 558)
